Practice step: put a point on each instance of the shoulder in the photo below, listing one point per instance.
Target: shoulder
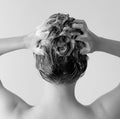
(108, 104)
(1, 85)
(10, 102)
(98, 109)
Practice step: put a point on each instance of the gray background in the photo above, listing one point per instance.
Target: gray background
(17, 69)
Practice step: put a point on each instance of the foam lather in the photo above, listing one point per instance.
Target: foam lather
(71, 34)
(59, 49)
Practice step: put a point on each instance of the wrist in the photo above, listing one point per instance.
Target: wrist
(19, 41)
(98, 43)
(26, 41)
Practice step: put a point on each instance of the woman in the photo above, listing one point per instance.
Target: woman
(60, 46)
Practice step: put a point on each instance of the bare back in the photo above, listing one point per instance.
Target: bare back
(13, 107)
(105, 107)
(46, 113)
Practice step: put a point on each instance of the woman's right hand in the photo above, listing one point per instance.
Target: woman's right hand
(41, 32)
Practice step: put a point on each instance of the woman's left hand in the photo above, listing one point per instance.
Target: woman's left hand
(89, 37)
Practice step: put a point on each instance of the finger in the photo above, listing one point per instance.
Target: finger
(78, 21)
(83, 37)
(86, 49)
(81, 27)
(42, 33)
(38, 51)
(78, 26)
(50, 21)
(53, 16)
(41, 28)
(83, 51)
(82, 22)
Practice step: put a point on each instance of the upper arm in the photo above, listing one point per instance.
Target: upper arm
(110, 103)
(9, 101)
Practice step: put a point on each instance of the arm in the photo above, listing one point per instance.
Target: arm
(108, 46)
(11, 44)
(97, 43)
(19, 42)
(109, 103)
(8, 100)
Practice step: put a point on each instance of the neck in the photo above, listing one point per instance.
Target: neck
(59, 94)
(57, 98)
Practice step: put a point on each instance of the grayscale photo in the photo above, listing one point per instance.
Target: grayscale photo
(59, 59)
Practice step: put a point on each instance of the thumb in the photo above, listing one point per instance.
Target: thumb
(87, 48)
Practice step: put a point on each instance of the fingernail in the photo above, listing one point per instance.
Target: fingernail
(77, 25)
(83, 51)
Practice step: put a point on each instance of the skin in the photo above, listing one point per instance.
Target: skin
(59, 101)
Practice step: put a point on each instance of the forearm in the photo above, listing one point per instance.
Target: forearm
(108, 46)
(11, 44)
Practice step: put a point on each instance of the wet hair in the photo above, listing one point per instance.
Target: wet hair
(61, 61)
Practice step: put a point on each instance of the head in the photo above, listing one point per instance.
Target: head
(61, 61)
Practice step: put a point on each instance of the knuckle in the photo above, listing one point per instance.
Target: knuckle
(79, 21)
